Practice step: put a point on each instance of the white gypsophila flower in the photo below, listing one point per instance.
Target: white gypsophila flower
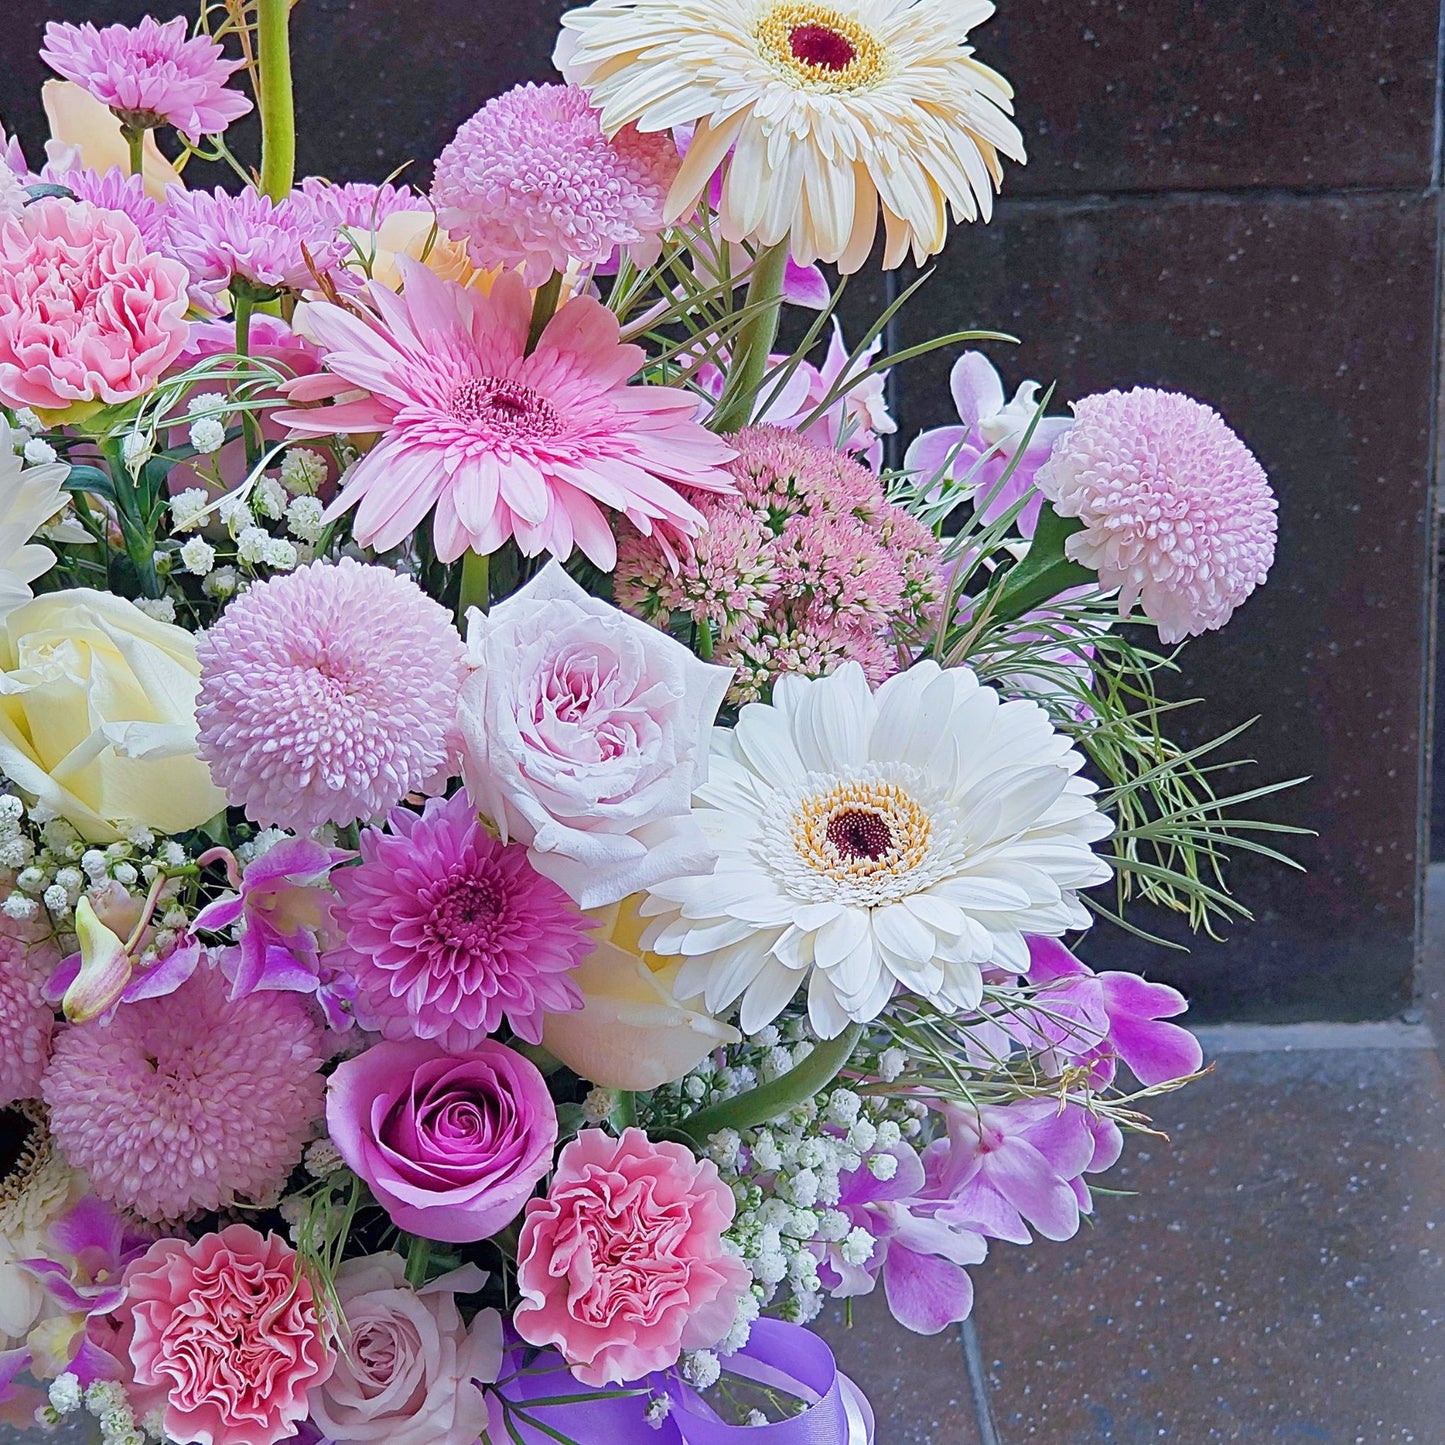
(38, 453)
(207, 403)
(221, 583)
(198, 557)
(235, 515)
(208, 435)
(162, 609)
(27, 421)
(279, 554)
(818, 114)
(187, 509)
(251, 545)
(867, 842)
(269, 498)
(302, 471)
(29, 496)
(136, 450)
(304, 518)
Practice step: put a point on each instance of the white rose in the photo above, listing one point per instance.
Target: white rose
(98, 715)
(584, 734)
(632, 1031)
(409, 1370)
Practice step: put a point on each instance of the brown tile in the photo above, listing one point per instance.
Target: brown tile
(1277, 1277)
(1308, 322)
(916, 1383)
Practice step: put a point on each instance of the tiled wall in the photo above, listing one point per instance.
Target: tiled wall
(1238, 198)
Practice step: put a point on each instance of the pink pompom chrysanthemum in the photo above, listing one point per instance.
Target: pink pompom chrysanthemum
(149, 74)
(328, 695)
(1177, 513)
(267, 245)
(87, 312)
(500, 442)
(531, 181)
(449, 931)
(184, 1103)
(28, 956)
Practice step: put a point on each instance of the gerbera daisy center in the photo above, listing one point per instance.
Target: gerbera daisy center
(861, 830)
(820, 47)
(503, 406)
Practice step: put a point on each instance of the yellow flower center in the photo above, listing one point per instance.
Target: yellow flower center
(861, 830)
(819, 47)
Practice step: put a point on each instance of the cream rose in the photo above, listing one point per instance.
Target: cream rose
(98, 715)
(632, 1031)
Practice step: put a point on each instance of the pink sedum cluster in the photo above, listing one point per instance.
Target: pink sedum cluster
(149, 74)
(531, 181)
(87, 312)
(807, 568)
(1176, 512)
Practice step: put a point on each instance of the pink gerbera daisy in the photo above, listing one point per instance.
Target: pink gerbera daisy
(498, 442)
(149, 74)
(1176, 512)
(327, 695)
(449, 931)
(530, 180)
(187, 1102)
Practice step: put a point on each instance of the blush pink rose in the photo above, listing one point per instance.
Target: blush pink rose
(412, 1371)
(223, 1334)
(86, 312)
(584, 734)
(452, 1145)
(622, 1265)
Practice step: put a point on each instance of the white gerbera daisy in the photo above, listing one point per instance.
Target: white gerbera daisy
(867, 842)
(819, 113)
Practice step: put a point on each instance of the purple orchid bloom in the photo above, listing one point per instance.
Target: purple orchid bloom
(283, 907)
(1124, 1011)
(992, 429)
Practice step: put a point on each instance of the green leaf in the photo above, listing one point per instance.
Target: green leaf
(92, 480)
(1045, 572)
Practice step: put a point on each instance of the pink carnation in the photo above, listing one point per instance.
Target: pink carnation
(531, 181)
(495, 441)
(87, 313)
(1176, 512)
(28, 956)
(328, 695)
(449, 931)
(149, 74)
(188, 1102)
(622, 1265)
(269, 245)
(224, 1335)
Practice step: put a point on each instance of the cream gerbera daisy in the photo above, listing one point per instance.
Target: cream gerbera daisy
(868, 842)
(818, 113)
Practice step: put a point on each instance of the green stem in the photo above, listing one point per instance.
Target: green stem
(476, 585)
(277, 103)
(771, 1100)
(418, 1257)
(755, 341)
(140, 546)
(135, 139)
(544, 308)
(243, 306)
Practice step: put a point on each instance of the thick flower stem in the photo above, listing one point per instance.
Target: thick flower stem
(476, 585)
(544, 308)
(754, 342)
(276, 101)
(771, 1100)
(135, 140)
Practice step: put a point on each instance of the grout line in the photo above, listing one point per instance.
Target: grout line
(1219, 195)
(978, 1382)
(1303, 1038)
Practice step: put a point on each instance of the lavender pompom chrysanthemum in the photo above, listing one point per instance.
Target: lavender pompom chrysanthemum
(28, 956)
(187, 1102)
(531, 180)
(328, 695)
(1177, 513)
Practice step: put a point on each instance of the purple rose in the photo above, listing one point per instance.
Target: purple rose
(452, 1145)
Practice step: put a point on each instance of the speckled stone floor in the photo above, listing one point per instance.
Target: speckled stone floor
(1275, 1274)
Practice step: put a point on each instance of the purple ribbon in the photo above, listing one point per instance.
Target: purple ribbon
(778, 1356)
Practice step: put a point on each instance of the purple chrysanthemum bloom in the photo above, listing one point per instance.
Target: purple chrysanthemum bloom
(530, 180)
(149, 74)
(114, 190)
(1176, 512)
(449, 931)
(28, 956)
(185, 1103)
(360, 205)
(268, 245)
(328, 695)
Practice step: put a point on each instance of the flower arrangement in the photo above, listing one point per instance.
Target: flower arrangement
(536, 852)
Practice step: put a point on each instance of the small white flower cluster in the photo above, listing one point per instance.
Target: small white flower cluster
(787, 1176)
(50, 866)
(106, 1400)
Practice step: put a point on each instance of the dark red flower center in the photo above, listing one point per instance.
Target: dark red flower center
(505, 406)
(857, 833)
(819, 46)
